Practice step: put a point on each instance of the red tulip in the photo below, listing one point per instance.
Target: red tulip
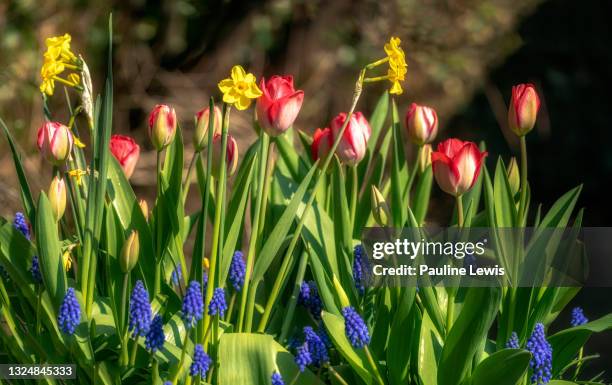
(422, 124)
(321, 143)
(279, 105)
(200, 136)
(55, 142)
(523, 110)
(231, 155)
(162, 126)
(456, 165)
(353, 145)
(126, 151)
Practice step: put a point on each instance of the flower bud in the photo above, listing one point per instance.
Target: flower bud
(321, 143)
(514, 178)
(57, 197)
(67, 260)
(231, 155)
(424, 159)
(523, 109)
(130, 252)
(342, 297)
(279, 104)
(380, 209)
(422, 124)
(200, 135)
(162, 126)
(126, 151)
(456, 165)
(144, 207)
(55, 142)
(353, 145)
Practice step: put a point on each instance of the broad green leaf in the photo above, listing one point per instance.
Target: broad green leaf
(404, 324)
(505, 208)
(422, 194)
(505, 367)
(399, 173)
(430, 350)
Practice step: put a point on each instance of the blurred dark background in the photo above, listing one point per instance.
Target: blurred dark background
(463, 56)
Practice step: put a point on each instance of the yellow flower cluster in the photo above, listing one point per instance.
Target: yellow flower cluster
(397, 65)
(57, 59)
(240, 88)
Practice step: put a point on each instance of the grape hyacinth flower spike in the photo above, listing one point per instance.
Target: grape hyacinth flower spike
(140, 311)
(303, 358)
(237, 270)
(193, 304)
(355, 328)
(578, 317)
(155, 337)
(513, 342)
(69, 315)
(218, 305)
(541, 361)
(277, 379)
(316, 346)
(310, 299)
(20, 224)
(200, 363)
(35, 270)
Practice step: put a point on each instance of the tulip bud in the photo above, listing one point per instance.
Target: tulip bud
(279, 104)
(162, 126)
(145, 208)
(200, 135)
(321, 143)
(514, 178)
(55, 142)
(424, 159)
(231, 155)
(422, 124)
(456, 165)
(57, 197)
(126, 151)
(130, 252)
(344, 301)
(380, 209)
(353, 145)
(523, 109)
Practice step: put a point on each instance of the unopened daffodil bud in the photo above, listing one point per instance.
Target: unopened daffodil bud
(57, 197)
(380, 209)
(130, 252)
(514, 178)
(67, 260)
(424, 157)
(342, 297)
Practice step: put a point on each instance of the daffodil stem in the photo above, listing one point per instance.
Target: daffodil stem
(320, 178)
(523, 198)
(269, 167)
(246, 308)
(376, 79)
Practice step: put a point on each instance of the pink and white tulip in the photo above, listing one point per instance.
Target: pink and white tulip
(523, 110)
(231, 155)
(456, 165)
(202, 118)
(55, 142)
(422, 124)
(353, 145)
(126, 151)
(162, 126)
(279, 105)
(321, 143)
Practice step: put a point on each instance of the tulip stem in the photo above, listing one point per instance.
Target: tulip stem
(353, 203)
(189, 177)
(523, 199)
(459, 211)
(158, 228)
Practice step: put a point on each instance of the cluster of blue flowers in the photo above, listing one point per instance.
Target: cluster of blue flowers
(69, 315)
(193, 304)
(277, 379)
(355, 328)
(217, 304)
(177, 275)
(360, 269)
(35, 270)
(20, 223)
(237, 270)
(578, 317)
(140, 311)
(200, 363)
(155, 337)
(513, 342)
(541, 351)
(303, 357)
(310, 299)
(316, 346)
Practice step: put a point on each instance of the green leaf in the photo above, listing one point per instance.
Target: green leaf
(356, 358)
(246, 359)
(404, 323)
(422, 194)
(399, 173)
(50, 252)
(505, 208)
(430, 350)
(505, 367)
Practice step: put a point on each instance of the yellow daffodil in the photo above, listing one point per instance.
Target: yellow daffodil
(240, 88)
(77, 142)
(67, 260)
(57, 59)
(77, 174)
(397, 65)
(59, 47)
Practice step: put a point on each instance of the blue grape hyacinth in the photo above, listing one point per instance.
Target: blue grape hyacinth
(316, 346)
(193, 304)
(541, 351)
(155, 337)
(360, 269)
(578, 317)
(35, 270)
(140, 311)
(69, 315)
(310, 299)
(355, 328)
(200, 363)
(20, 223)
(177, 275)
(513, 342)
(303, 357)
(237, 270)
(277, 379)
(217, 304)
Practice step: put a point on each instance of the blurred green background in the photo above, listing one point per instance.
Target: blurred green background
(463, 57)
